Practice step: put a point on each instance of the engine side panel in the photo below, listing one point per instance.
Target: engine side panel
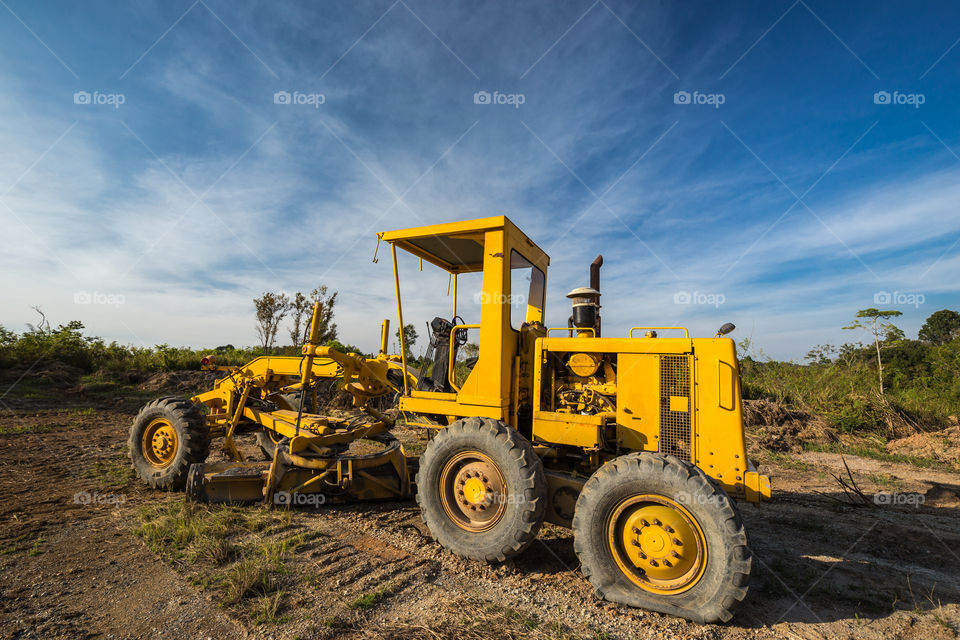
(676, 396)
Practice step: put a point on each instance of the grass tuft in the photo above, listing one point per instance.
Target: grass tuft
(368, 600)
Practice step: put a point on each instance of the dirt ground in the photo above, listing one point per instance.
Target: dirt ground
(75, 562)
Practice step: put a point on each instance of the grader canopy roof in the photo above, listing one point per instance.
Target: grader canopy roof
(457, 247)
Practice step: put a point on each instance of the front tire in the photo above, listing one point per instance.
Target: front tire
(167, 436)
(654, 532)
(482, 490)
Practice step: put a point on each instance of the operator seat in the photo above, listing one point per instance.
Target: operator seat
(440, 354)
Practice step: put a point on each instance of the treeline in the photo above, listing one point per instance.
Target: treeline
(920, 377)
(67, 343)
(920, 386)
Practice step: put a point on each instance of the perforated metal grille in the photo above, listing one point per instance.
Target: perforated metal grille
(675, 425)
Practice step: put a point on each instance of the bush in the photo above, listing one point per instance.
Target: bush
(921, 384)
(67, 344)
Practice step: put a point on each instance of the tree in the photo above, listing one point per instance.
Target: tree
(302, 312)
(470, 350)
(344, 348)
(271, 309)
(328, 330)
(299, 309)
(941, 327)
(409, 339)
(44, 323)
(821, 354)
(870, 319)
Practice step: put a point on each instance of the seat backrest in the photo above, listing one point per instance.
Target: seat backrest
(439, 354)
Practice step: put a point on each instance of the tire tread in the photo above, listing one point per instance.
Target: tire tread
(532, 484)
(732, 588)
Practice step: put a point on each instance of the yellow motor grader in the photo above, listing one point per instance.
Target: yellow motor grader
(635, 442)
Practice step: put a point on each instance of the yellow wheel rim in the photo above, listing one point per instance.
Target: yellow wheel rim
(159, 443)
(657, 543)
(473, 491)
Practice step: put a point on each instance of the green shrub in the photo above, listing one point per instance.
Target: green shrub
(922, 385)
(67, 344)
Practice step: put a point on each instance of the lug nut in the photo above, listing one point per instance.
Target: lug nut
(675, 554)
(653, 563)
(635, 530)
(677, 542)
(666, 563)
(644, 523)
(635, 543)
(668, 528)
(656, 522)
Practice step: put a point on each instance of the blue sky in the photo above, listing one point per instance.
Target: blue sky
(742, 155)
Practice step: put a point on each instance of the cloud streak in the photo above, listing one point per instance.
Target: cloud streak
(292, 194)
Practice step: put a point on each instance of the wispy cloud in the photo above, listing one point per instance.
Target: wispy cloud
(292, 193)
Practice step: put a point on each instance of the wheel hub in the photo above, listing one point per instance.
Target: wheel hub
(473, 492)
(160, 443)
(657, 543)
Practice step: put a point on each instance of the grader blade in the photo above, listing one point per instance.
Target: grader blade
(306, 479)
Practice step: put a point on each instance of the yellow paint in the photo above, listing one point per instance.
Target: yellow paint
(604, 395)
(657, 544)
(474, 491)
(583, 364)
(160, 443)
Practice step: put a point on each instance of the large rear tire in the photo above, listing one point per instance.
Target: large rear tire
(482, 490)
(657, 533)
(167, 436)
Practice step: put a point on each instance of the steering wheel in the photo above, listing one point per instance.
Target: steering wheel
(460, 335)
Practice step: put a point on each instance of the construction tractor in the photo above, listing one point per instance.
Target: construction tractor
(635, 442)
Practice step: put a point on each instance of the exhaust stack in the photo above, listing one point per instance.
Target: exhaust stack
(595, 273)
(586, 302)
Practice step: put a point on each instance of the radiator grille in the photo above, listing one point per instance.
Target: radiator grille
(675, 425)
